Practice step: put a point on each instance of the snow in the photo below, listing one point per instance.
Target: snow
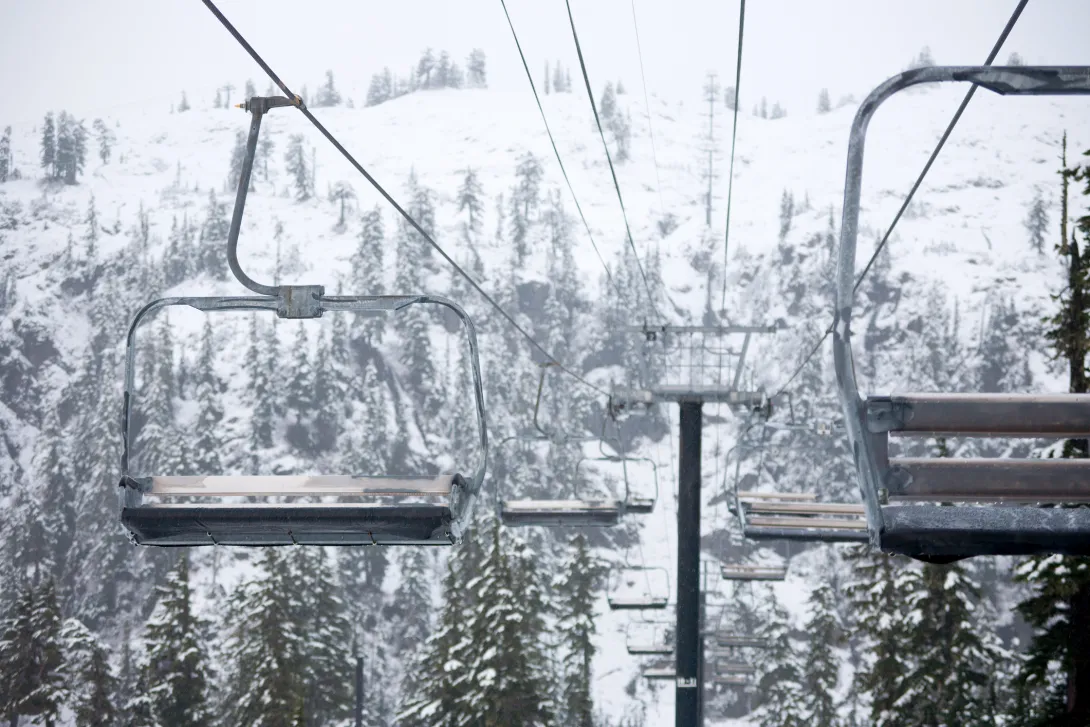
(964, 231)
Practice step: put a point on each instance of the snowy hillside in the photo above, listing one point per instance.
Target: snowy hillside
(960, 273)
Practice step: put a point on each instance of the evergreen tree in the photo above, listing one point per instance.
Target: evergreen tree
(953, 654)
(576, 629)
(525, 200)
(425, 67)
(238, 156)
(442, 71)
(475, 68)
(326, 660)
(176, 671)
(261, 394)
(1055, 679)
(327, 398)
(820, 665)
(183, 105)
(264, 647)
(779, 687)
(212, 258)
(559, 84)
(548, 79)
(48, 153)
(249, 90)
(1037, 222)
(300, 393)
(328, 95)
(367, 276)
(208, 439)
(342, 194)
(105, 140)
(607, 104)
(824, 105)
(787, 213)
(31, 657)
(381, 88)
(879, 594)
(296, 160)
(90, 680)
(5, 155)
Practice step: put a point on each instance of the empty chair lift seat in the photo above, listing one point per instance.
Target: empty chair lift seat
(731, 680)
(740, 572)
(965, 506)
(740, 641)
(638, 588)
(948, 508)
(559, 513)
(799, 516)
(734, 667)
(660, 673)
(646, 638)
(391, 510)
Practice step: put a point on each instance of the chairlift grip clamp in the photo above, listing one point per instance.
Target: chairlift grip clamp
(300, 301)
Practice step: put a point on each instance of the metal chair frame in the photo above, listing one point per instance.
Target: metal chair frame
(651, 602)
(932, 529)
(448, 499)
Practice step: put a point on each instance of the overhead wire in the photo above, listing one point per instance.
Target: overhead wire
(647, 105)
(556, 151)
(733, 143)
(400, 210)
(919, 180)
(609, 159)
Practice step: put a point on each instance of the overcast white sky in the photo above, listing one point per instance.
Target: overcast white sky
(89, 56)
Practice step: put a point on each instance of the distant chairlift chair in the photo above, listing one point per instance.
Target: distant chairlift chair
(1007, 506)
(638, 588)
(416, 510)
(643, 639)
(746, 572)
(796, 516)
(597, 512)
(730, 640)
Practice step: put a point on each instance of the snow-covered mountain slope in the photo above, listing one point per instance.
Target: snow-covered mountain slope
(962, 246)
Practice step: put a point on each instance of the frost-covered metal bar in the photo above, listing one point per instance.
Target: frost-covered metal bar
(740, 572)
(561, 513)
(1053, 481)
(740, 641)
(990, 415)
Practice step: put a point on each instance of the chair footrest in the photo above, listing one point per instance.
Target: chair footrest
(952, 531)
(336, 524)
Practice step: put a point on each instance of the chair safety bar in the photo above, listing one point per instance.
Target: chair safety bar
(950, 531)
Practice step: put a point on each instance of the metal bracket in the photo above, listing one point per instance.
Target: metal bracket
(886, 415)
(300, 301)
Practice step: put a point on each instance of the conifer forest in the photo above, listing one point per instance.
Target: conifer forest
(642, 270)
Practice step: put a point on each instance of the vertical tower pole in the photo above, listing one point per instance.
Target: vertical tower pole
(687, 703)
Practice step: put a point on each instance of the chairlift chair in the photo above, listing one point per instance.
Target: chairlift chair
(734, 667)
(796, 516)
(731, 680)
(746, 572)
(665, 672)
(944, 509)
(730, 640)
(643, 639)
(208, 509)
(638, 588)
(596, 512)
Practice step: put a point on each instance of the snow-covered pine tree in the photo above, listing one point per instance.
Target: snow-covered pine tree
(264, 647)
(89, 678)
(153, 439)
(425, 67)
(183, 105)
(824, 105)
(176, 673)
(607, 103)
(328, 95)
(249, 90)
(524, 201)
(471, 204)
(576, 629)
(212, 258)
(1037, 222)
(296, 159)
(559, 85)
(342, 194)
(5, 155)
(1055, 679)
(779, 693)
(300, 393)
(879, 594)
(208, 437)
(368, 278)
(48, 150)
(820, 664)
(787, 213)
(326, 657)
(953, 654)
(238, 156)
(32, 658)
(436, 694)
(328, 397)
(475, 69)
